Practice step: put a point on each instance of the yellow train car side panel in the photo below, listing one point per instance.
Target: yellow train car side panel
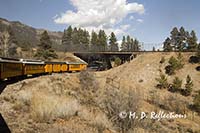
(56, 67)
(74, 67)
(33, 69)
(64, 67)
(83, 66)
(48, 68)
(11, 70)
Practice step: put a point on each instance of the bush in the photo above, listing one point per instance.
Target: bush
(115, 101)
(162, 81)
(176, 86)
(194, 59)
(89, 87)
(118, 61)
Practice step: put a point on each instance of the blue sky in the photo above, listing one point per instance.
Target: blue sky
(148, 20)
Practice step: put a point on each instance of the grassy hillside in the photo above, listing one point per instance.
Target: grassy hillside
(91, 102)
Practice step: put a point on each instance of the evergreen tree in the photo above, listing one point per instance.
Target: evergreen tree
(174, 38)
(75, 40)
(86, 40)
(188, 86)
(128, 43)
(94, 41)
(45, 50)
(167, 45)
(113, 43)
(124, 44)
(102, 41)
(176, 86)
(136, 46)
(67, 39)
(192, 41)
(162, 81)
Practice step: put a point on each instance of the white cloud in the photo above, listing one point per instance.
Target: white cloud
(97, 14)
(124, 27)
(140, 20)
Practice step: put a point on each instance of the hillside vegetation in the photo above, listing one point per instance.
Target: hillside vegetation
(91, 101)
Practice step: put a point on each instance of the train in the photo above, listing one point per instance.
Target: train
(11, 68)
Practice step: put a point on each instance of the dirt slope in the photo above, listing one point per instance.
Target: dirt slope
(56, 103)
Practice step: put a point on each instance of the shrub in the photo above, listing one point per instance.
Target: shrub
(176, 86)
(89, 87)
(162, 81)
(174, 103)
(194, 59)
(188, 87)
(115, 101)
(118, 61)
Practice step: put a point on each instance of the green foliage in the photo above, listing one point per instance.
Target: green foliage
(196, 102)
(188, 87)
(113, 42)
(167, 45)
(174, 64)
(45, 50)
(181, 40)
(162, 81)
(176, 86)
(118, 61)
(130, 44)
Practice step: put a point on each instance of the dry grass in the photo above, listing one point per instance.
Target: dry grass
(46, 107)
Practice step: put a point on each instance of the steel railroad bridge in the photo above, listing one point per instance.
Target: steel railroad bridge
(106, 57)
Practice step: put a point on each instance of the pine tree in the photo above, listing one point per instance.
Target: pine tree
(45, 50)
(75, 40)
(174, 38)
(67, 39)
(94, 41)
(136, 46)
(176, 86)
(113, 43)
(128, 43)
(167, 45)
(162, 81)
(192, 41)
(188, 86)
(124, 44)
(86, 40)
(102, 41)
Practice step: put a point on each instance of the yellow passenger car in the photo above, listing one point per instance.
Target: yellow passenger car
(33, 67)
(76, 66)
(10, 68)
